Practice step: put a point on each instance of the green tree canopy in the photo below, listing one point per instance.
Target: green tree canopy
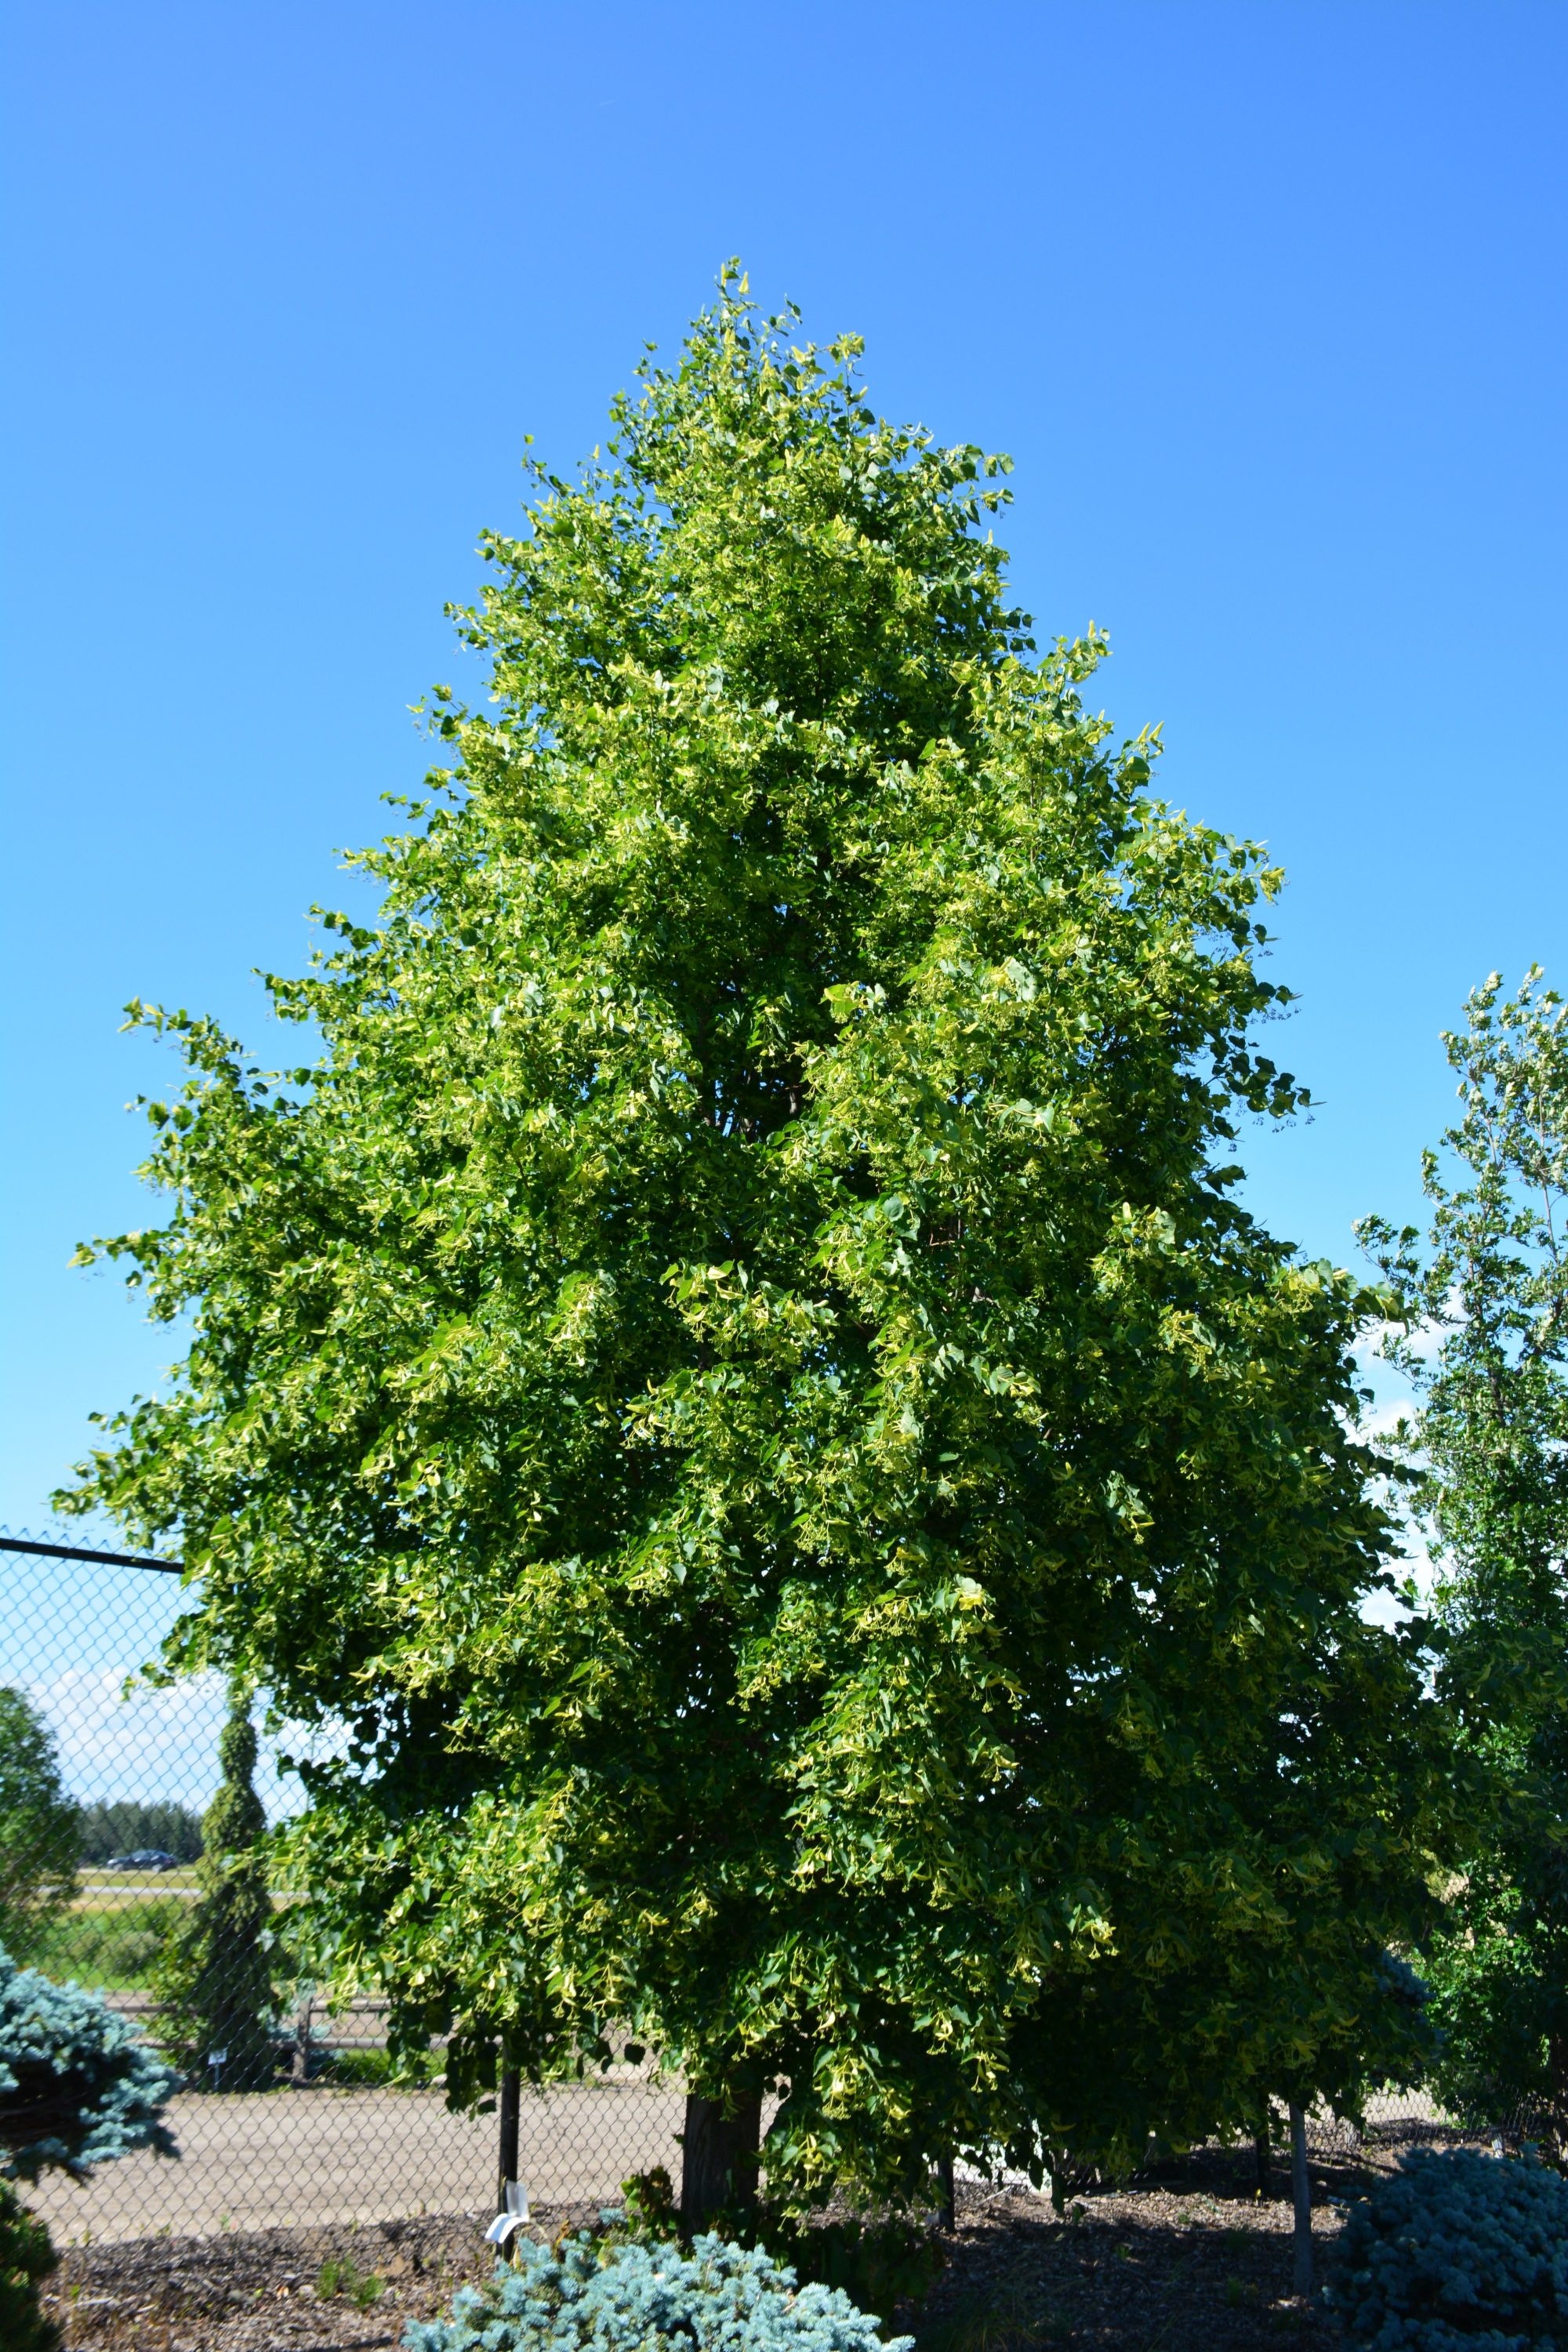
(1485, 1298)
(739, 1374)
(39, 1828)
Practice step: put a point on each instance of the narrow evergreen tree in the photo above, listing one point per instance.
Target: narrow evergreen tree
(215, 1979)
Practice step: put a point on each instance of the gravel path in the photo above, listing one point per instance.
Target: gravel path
(316, 2158)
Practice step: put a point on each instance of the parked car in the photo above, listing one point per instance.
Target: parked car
(143, 1857)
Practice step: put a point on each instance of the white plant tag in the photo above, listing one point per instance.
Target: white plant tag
(516, 2214)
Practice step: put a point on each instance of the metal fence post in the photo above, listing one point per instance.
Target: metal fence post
(1301, 2197)
(301, 2061)
(510, 2105)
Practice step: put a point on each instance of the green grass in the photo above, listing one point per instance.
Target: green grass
(96, 1881)
(338, 2275)
(368, 2069)
(110, 1950)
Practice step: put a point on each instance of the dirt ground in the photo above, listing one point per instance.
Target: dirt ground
(1190, 2259)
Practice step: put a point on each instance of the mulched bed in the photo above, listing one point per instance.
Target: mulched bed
(1187, 2259)
(261, 2291)
(1190, 2260)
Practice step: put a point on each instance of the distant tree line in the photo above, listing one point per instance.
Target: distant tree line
(107, 1830)
(46, 1836)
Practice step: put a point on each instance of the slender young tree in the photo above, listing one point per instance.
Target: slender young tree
(38, 1830)
(215, 1977)
(1484, 1341)
(738, 1379)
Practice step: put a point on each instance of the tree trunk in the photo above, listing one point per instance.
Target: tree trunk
(948, 2194)
(1557, 2073)
(1301, 2197)
(718, 2160)
(1263, 2154)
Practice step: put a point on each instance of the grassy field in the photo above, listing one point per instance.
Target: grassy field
(111, 1935)
(98, 1882)
(109, 1947)
(109, 1940)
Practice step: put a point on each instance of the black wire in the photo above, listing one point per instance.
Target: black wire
(105, 1558)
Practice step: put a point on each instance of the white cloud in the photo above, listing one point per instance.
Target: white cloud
(150, 1745)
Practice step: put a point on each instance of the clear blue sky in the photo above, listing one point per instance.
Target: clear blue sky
(1266, 301)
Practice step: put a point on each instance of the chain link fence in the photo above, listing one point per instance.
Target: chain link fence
(100, 1883)
(288, 2120)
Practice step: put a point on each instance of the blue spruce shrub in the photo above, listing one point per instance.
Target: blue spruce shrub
(77, 2088)
(631, 2296)
(1457, 2252)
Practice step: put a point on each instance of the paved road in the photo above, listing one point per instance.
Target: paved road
(304, 2158)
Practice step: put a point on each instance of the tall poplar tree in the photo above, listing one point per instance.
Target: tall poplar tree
(1484, 1342)
(738, 1378)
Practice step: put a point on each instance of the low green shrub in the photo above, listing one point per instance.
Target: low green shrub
(878, 2263)
(26, 2258)
(1457, 2252)
(360, 2070)
(626, 2295)
(649, 2204)
(371, 2069)
(338, 2275)
(110, 1950)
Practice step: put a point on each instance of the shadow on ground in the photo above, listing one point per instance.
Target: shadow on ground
(1189, 2258)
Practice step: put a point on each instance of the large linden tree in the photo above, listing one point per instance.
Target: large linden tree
(738, 1379)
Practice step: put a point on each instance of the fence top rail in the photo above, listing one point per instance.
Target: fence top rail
(82, 1552)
